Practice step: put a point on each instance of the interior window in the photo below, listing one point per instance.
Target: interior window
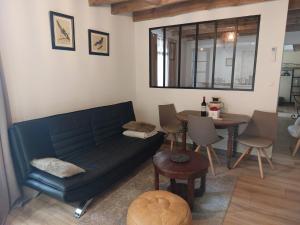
(206, 55)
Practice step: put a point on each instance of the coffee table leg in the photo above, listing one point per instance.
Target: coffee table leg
(156, 179)
(184, 124)
(173, 185)
(235, 135)
(190, 194)
(229, 146)
(201, 190)
(203, 184)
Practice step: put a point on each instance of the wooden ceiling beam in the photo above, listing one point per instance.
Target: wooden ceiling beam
(138, 5)
(103, 2)
(294, 4)
(293, 20)
(186, 7)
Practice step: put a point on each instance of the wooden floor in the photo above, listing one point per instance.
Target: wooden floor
(272, 201)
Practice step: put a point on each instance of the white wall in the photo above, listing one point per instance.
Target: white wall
(42, 81)
(267, 77)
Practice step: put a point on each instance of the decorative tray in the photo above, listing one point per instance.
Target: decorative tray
(180, 157)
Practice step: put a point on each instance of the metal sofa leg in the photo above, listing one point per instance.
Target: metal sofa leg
(81, 209)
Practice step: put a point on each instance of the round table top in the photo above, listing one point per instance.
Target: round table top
(195, 167)
(226, 119)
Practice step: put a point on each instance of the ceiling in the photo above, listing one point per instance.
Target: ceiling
(151, 9)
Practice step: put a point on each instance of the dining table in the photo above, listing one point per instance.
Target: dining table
(229, 121)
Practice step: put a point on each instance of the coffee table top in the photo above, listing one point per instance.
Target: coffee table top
(195, 167)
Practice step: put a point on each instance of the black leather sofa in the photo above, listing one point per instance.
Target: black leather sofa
(91, 139)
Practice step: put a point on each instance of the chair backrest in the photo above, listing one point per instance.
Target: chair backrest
(202, 130)
(167, 115)
(262, 124)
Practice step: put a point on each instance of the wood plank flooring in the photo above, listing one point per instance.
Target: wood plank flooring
(272, 201)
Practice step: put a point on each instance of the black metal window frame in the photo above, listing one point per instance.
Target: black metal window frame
(214, 54)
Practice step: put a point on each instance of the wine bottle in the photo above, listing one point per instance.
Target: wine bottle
(203, 107)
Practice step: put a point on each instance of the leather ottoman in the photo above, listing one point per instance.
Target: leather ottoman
(159, 208)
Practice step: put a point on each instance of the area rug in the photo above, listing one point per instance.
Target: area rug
(111, 208)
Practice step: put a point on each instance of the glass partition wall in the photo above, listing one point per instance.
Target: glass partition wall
(207, 55)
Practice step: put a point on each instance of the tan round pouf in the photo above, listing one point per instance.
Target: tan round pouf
(159, 208)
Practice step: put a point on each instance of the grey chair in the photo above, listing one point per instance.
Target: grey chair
(294, 131)
(260, 133)
(203, 132)
(169, 122)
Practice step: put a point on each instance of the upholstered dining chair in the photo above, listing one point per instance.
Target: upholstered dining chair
(203, 132)
(169, 122)
(260, 134)
(294, 131)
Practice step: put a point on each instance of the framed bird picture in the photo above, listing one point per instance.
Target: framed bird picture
(98, 43)
(62, 31)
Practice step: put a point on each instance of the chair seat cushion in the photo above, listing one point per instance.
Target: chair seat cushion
(254, 141)
(294, 130)
(173, 128)
(159, 208)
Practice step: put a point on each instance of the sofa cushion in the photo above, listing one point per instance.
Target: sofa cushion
(71, 132)
(57, 167)
(106, 123)
(98, 161)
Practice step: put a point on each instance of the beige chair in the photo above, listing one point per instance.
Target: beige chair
(169, 122)
(203, 132)
(294, 131)
(260, 134)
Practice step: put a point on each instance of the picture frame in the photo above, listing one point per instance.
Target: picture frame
(62, 31)
(98, 42)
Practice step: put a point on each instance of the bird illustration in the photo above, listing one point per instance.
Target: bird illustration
(100, 43)
(63, 31)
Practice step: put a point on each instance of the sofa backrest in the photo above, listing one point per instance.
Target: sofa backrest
(64, 134)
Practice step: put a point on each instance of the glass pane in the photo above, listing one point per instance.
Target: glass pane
(245, 53)
(224, 53)
(157, 58)
(187, 65)
(206, 35)
(172, 52)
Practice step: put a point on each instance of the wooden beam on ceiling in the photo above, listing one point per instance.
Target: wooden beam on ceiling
(138, 5)
(294, 4)
(293, 20)
(188, 6)
(103, 2)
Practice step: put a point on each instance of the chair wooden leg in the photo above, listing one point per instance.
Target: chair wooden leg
(215, 155)
(210, 161)
(247, 152)
(260, 164)
(172, 144)
(267, 157)
(296, 148)
(198, 148)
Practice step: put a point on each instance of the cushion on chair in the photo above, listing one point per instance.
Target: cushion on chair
(254, 141)
(159, 208)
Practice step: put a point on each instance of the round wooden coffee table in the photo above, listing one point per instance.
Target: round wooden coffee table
(196, 167)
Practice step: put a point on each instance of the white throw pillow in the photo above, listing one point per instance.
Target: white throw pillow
(137, 134)
(57, 167)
